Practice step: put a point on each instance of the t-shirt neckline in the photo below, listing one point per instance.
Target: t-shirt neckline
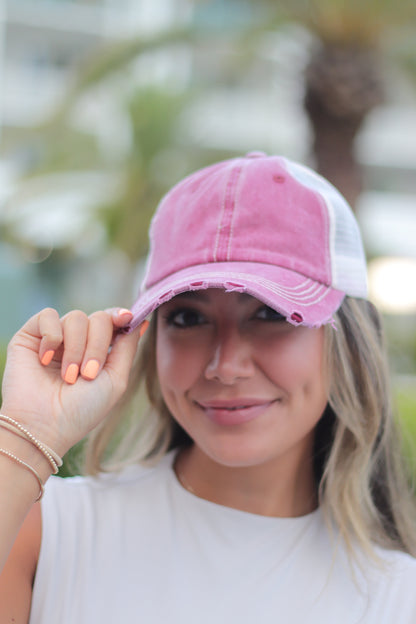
(181, 490)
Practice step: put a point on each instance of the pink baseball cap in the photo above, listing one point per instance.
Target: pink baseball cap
(263, 225)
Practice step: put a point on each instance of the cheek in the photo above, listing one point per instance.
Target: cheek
(177, 366)
(297, 360)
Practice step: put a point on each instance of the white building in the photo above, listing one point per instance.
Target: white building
(44, 42)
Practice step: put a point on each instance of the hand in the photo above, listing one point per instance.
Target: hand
(63, 375)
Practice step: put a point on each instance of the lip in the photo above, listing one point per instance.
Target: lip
(238, 411)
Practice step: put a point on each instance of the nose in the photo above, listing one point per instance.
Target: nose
(231, 357)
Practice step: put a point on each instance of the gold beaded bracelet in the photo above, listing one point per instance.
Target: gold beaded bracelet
(25, 465)
(15, 427)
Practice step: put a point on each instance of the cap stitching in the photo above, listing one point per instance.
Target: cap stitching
(220, 226)
(306, 294)
(227, 206)
(236, 197)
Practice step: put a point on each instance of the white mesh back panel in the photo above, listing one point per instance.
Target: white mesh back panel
(348, 264)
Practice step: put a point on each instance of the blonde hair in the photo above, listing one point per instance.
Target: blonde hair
(364, 485)
(359, 469)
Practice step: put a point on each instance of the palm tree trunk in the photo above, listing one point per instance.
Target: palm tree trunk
(333, 148)
(342, 85)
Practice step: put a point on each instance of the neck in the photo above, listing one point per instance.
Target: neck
(278, 488)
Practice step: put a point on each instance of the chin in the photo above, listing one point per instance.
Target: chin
(238, 455)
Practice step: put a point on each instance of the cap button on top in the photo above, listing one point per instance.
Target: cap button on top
(255, 155)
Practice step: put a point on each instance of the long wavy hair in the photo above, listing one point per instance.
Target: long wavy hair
(360, 474)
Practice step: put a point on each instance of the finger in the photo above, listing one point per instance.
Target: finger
(120, 359)
(75, 330)
(50, 331)
(120, 316)
(100, 334)
(143, 327)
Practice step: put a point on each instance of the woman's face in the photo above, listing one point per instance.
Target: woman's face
(247, 386)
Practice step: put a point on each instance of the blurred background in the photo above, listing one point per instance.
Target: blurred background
(104, 104)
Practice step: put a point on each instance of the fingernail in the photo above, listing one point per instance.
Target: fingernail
(90, 370)
(124, 311)
(143, 328)
(47, 357)
(71, 374)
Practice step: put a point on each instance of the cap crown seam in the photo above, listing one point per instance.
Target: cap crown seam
(224, 228)
(232, 221)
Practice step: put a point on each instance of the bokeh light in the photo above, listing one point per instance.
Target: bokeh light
(392, 284)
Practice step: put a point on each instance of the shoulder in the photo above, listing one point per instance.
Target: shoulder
(393, 584)
(108, 487)
(397, 564)
(104, 514)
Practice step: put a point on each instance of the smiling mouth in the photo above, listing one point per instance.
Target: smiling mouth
(233, 409)
(229, 413)
(234, 403)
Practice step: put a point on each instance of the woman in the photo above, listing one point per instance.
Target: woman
(265, 480)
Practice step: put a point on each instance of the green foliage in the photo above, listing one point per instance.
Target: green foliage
(362, 22)
(61, 148)
(154, 163)
(113, 58)
(153, 114)
(406, 407)
(73, 461)
(153, 118)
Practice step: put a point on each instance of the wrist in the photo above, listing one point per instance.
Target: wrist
(21, 448)
(26, 452)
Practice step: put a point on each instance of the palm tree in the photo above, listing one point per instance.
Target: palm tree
(344, 79)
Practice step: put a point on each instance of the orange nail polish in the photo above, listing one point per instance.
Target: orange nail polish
(47, 357)
(71, 374)
(90, 370)
(143, 328)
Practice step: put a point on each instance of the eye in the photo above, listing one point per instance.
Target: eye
(265, 313)
(184, 317)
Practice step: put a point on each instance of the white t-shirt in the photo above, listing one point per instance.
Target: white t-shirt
(138, 547)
